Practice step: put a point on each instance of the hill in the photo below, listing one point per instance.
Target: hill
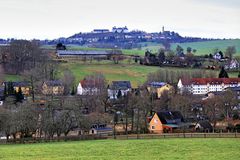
(208, 46)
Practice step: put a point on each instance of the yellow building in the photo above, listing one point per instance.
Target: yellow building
(159, 88)
(165, 122)
(52, 88)
(25, 87)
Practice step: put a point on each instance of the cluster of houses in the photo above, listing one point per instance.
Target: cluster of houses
(160, 122)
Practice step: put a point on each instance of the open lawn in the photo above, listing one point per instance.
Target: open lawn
(151, 149)
(208, 46)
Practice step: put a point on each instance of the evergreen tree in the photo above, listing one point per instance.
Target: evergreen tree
(19, 95)
(119, 94)
(239, 74)
(73, 91)
(223, 73)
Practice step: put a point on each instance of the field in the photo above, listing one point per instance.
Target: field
(154, 149)
(135, 73)
(201, 47)
(208, 46)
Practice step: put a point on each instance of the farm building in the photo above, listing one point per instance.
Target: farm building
(88, 54)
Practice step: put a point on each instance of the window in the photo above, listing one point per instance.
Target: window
(153, 127)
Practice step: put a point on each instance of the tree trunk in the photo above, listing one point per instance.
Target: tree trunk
(138, 124)
(132, 121)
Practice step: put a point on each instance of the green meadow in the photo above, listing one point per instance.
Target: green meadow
(202, 47)
(207, 47)
(135, 73)
(150, 149)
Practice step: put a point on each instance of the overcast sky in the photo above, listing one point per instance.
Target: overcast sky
(50, 19)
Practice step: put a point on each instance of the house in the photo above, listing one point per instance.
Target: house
(163, 122)
(119, 88)
(53, 87)
(218, 56)
(159, 88)
(100, 30)
(24, 86)
(202, 86)
(233, 64)
(203, 126)
(100, 129)
(120, 29)
(90, 87)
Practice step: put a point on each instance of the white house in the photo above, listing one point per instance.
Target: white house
(233, 64)
(206, 85)
(119, 88)
(217, 56)
(89, 87)
(120, 29)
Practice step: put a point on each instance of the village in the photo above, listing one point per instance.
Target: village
(49, 107)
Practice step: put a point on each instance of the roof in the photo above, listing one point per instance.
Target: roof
(205, 124)
(18, 84)
(91, 83)
(122, 85)
(54, 83)
(103, 129)
(157, 84)
(215, 81)
(82, 52)
(170, 117)
(234, 89)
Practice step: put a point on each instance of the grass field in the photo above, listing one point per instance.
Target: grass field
(135, 73)
(154, 149)
(208, 46)
(201, 47)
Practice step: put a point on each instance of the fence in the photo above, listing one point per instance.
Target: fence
(124, 137)
(179, 135)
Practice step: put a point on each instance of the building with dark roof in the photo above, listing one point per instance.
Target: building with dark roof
(119, 88)
(54, 87)
(162, 122)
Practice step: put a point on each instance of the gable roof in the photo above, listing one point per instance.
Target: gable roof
(54, 83)
(18, 84)
(157, 84)
(170, 117)
(214, 81)
(91, 83)
(205, 124)
(121, 85)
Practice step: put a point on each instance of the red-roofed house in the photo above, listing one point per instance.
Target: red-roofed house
(89, 87)
(206, 85)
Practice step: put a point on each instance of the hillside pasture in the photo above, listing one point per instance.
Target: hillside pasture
(207, 47)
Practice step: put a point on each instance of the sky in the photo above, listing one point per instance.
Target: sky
(50, 19)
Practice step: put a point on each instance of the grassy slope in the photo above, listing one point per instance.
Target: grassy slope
(196, 149)
(208, 46)
(135, 73)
